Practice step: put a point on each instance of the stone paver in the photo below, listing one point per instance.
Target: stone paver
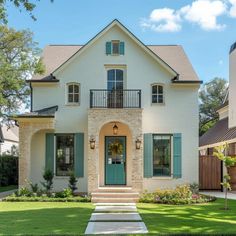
(115, 208)
(116, 228)
(218, 194)
(131, 216)
(117, 219)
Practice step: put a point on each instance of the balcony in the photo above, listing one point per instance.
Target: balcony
(127, 98)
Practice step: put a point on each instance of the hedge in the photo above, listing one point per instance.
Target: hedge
(8, 170)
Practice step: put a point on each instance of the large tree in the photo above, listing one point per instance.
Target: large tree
(27, 5)
(19, 59)
(211, 96)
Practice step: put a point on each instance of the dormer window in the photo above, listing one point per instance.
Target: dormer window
(157, 94)
(73, 93)
(115, 48)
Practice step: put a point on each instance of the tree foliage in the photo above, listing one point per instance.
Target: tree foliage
(211, 96)
(27, 5)
(19, 59)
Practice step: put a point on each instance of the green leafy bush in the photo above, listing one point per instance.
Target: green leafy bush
(45, 198)
(23, 192)
(8, 170)
(66, 193)
(182, 194)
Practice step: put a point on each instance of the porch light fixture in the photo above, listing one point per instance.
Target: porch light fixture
(92, 143)
(138, 143)
(115, 129)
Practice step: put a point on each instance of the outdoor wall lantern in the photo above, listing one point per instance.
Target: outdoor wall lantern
(115, 129)
(92, 143)
(138, 143)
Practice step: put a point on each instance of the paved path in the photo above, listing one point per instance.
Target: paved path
(7, 193)
(116, 219)
(218, 194)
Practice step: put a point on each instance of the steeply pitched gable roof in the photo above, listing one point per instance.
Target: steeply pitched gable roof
(174, 55)
(173, 58)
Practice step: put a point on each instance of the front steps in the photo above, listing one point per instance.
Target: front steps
(115, 195)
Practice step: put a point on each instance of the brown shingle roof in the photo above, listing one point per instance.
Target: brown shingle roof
(173, 55)
(218, 133)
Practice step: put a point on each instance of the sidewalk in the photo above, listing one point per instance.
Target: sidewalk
(7, 193)
(218, 194)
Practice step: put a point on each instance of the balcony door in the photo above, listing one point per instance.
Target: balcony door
(115, 86)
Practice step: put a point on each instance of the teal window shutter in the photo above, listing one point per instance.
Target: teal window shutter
(49, 155)
(79, 155)
(177, 155)
(148, 155)
(108, 48)
(122, 48)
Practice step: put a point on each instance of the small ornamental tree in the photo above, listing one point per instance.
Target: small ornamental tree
(72, 182)
(48, 183)
(228, 161)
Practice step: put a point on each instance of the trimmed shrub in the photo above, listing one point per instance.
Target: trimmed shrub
(181, 195)
(8, 170)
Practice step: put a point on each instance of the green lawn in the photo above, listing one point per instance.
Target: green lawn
(44, 218)
(198, 219)
(8, 188)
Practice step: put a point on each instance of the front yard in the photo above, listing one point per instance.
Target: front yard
(71, 218)
(44, 218)
(8, 188)
(205, 218)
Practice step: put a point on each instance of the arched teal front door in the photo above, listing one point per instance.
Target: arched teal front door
(115, 160)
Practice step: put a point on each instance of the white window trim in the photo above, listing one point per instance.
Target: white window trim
(163, 86)
(67, 103)
(167, 177)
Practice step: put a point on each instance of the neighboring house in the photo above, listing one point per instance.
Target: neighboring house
(114, 111)
(224, 131)
(9, 140)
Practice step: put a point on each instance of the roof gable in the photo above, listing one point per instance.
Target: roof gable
(125, 30)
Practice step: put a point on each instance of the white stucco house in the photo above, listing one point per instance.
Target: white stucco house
(9, 140)
(121, 114)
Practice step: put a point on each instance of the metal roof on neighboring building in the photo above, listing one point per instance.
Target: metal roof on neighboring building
(218, 133)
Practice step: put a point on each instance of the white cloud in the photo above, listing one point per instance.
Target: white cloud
(205, 13)
(232, 11)
(162, 20)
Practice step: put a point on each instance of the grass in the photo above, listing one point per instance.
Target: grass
(8, 188)
(207, 218)
(44, 218)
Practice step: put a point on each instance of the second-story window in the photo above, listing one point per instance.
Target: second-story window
(73, 93)
(115, 48)
(157, 94)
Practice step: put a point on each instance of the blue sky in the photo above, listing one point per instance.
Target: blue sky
(205, 28)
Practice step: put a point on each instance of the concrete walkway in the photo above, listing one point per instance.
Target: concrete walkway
(7, 193)
(218, 194)
(116, 219)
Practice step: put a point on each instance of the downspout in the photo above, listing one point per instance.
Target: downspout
(31, 98)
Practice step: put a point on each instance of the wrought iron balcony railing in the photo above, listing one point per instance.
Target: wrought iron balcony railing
(127, 98)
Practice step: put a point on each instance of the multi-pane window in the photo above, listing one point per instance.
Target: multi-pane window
(161, 155)
(64, 154)
(115, 79)
(115, 47)
(157, 94)
(73, 93)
